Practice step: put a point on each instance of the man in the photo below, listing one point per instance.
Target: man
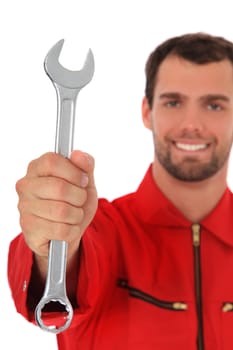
(153, 269)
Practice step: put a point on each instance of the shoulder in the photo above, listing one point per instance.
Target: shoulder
(230, 195)
(115, 209)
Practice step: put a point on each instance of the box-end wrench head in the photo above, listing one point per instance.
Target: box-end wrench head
(55, 292)
(67, 84)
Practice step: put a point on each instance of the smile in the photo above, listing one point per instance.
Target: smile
(191, 147)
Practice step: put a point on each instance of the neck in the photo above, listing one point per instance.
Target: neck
(194, 200)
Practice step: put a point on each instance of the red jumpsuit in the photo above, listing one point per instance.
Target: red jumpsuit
(149, 278)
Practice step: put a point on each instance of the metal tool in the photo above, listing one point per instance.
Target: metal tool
(67, 84)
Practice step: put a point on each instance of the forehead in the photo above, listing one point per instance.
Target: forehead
(177, 74)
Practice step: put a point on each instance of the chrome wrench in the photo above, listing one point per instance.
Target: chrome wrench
(67, 85)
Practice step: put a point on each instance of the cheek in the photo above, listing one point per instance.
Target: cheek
(166, 121)
(162, 128)
(224, 134)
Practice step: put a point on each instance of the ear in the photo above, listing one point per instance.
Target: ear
(146, 113)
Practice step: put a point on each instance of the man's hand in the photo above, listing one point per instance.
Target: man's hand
(57, 200)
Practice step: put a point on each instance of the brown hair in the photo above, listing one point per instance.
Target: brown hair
(199, 48)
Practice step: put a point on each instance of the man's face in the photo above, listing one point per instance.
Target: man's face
(192, 117)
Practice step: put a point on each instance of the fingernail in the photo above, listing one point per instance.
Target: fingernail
(84, 180)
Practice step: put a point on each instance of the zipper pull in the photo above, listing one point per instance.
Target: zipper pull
(179, 306)
(196, 229)
(227, 307)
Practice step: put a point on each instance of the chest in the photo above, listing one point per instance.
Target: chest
(178, 267)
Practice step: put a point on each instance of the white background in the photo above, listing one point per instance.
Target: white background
(121, 35)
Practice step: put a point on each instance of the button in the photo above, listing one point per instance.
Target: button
(24, 286)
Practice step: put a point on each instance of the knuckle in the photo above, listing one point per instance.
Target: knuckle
(69, 214)
(21, 206)
(62, 211)
(22, 222)
(44, 164)
(61, 231)
(61, 188)
(31, 166)
(49, 162)
(26, 223)
(81, 197)
(20, 185)
(79, 216)
(55, 185)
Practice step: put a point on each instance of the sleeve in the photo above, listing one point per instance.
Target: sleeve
(97, 267)
(19, 272)
(99, 261)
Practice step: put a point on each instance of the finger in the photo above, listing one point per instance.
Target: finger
(55, 165)
(38, 232)
(51, 188)
(54, 211)
(86, 163)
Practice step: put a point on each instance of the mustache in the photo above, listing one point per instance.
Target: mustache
(191, 135)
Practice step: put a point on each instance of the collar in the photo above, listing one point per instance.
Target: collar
(220, 220)
(156, 209)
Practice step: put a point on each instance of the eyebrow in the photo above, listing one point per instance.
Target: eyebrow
(208, 97)
(212, 97)
(171, 95)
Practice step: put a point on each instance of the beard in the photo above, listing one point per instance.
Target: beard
(190, 169)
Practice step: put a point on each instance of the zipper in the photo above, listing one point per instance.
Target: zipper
(196, 230)
(137, 293)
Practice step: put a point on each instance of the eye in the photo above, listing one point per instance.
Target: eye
(172, 104)
(214, 107)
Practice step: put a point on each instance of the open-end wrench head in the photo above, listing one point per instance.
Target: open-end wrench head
(65, 77)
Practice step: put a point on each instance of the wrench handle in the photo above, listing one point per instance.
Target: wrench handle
(66, 100)
(57, 265)
(55, 287)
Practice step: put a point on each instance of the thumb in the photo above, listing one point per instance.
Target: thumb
(86, 163)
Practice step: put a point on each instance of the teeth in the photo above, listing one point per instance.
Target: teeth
(187, 147)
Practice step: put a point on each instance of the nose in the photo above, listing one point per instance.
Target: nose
(192, 120)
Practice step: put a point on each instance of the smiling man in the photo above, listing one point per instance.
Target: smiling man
(152, 269)
(190, 116)
(200, 114)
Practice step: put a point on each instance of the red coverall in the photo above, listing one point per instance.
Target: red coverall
(149, 278)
